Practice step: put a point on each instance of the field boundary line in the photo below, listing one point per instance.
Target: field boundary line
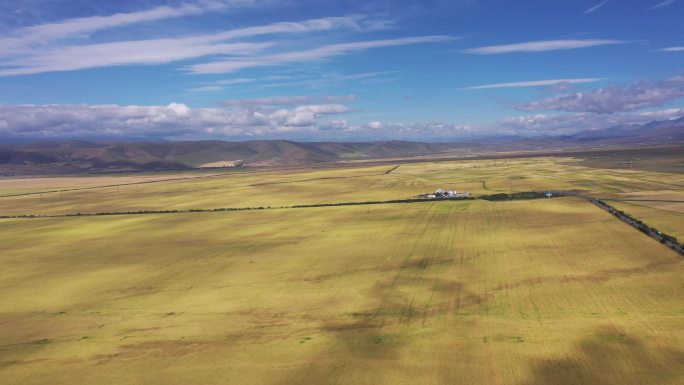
(496, 197)
(666, 240)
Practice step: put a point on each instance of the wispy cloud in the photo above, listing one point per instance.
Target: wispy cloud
(673, 49)
(535, 83)
(160, 51)
(263, 102)
(288, 101)
(323, 52)
(332, 79)
(48, 32)
(541, 46)
(157, 51)
(308, 81)
(361, 76)
(663, 4)
(595, 7)
(234, 81)
(203, 89)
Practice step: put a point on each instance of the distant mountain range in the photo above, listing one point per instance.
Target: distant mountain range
(78, 156)
(657, 131)
(94, 156)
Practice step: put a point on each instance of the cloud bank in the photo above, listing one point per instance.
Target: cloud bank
(609, 100)
(171, 121)
(563, 124)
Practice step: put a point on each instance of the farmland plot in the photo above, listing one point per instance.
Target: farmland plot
(528, 292)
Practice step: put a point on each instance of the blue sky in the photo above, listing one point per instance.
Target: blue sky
(336, 70)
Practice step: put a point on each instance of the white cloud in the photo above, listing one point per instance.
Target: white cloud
(667, 114)
(535, 83)
(173, 120)
(673, 49)
(609, 100)
(375, 125)
(336, 124)
(44, 33)
(417, 131)
(662, 4)
(362, 75)
(305, 116)
(541, 46)
(288, 101)
(315, 81)
(318, 80)
(563, 124)
(228, 82)
(232, 65)
(159, 51)
(204, 89)
(179, 109)
(265, 102)
(310, 121)
(595, 7)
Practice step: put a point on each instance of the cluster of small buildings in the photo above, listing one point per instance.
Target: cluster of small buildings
(442, 194)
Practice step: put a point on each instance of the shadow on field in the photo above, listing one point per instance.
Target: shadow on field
(596, 276)
(608, 357)
(357, 353)
(367, 346)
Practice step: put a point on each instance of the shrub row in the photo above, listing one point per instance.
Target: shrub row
(641, 226)
(516, 196)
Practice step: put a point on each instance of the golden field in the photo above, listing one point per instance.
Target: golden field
(551, 291)
(314, 186)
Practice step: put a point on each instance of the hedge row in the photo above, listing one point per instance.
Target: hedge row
(641, 226)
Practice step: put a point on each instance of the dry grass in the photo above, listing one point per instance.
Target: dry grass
(669, 222)
(529, 292)
(283, 187)
(521, 293)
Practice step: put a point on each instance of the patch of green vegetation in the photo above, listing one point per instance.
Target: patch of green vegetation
(305, 339)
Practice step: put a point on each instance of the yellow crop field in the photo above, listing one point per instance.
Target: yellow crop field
(668, 221)
(524, 292)
(551, 291)
(316, 186)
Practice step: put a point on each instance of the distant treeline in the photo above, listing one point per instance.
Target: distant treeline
(643, 227)
(516, 196)
(138, 212)
(494, 197)
(147, 212)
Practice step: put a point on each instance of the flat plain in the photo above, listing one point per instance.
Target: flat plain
(551, 291)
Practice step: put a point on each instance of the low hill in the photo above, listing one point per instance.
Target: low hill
(84, 156)
(91, 156)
